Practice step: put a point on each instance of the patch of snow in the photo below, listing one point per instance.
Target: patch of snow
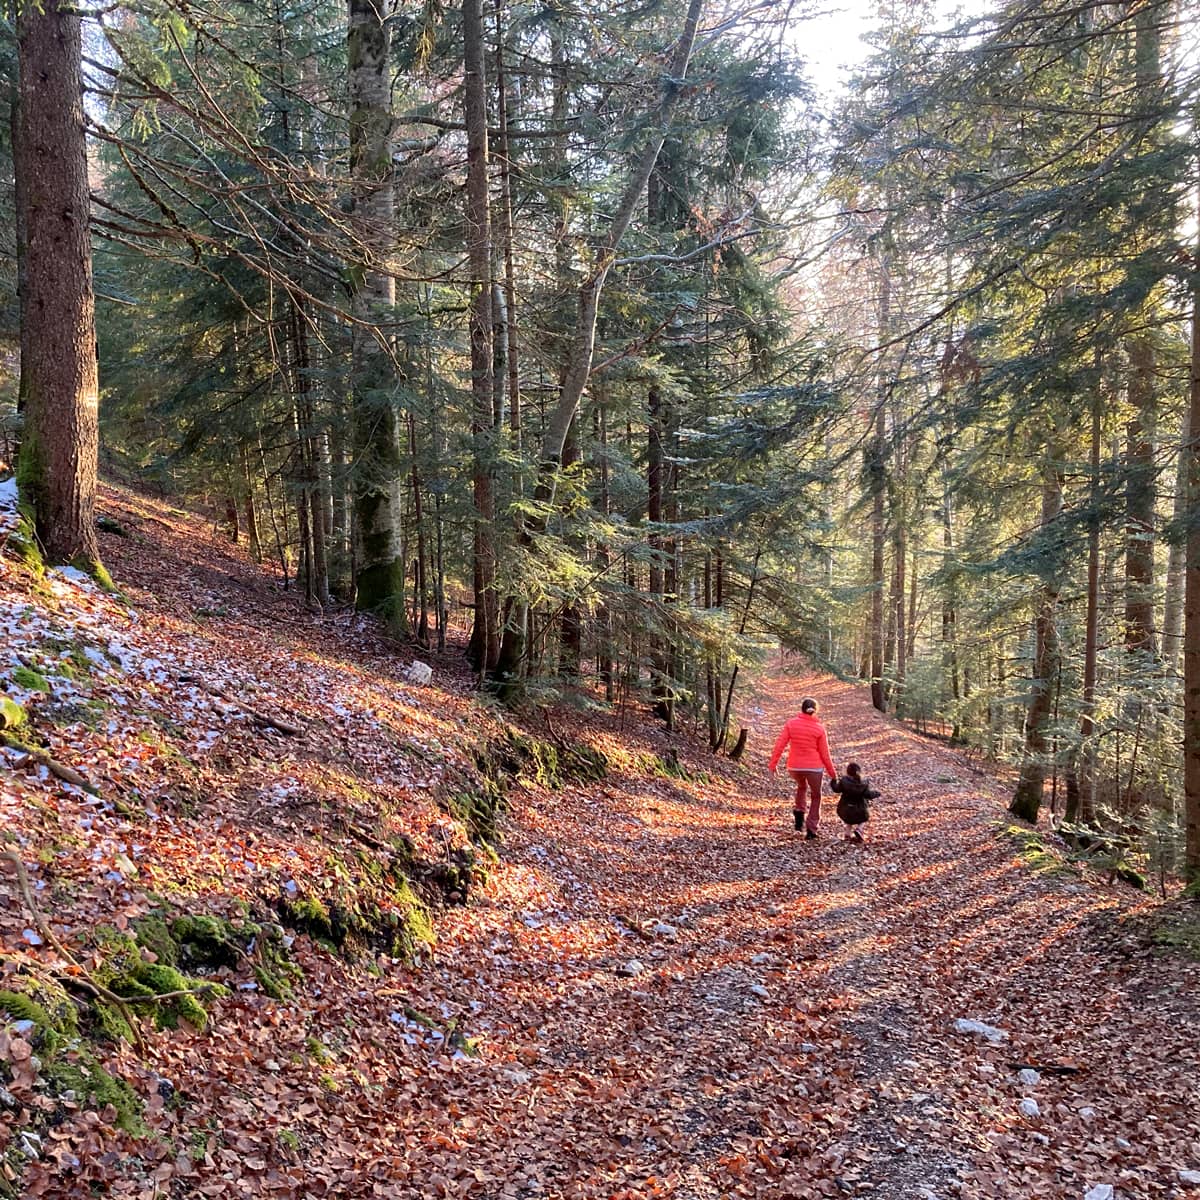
(1101, 1191)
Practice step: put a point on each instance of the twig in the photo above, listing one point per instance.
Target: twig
(65, 773)
(98, 989)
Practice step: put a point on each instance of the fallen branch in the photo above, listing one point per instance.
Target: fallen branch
(634, 927)
(61, 770)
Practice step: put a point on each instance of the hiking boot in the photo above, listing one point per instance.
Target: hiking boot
(810, 836)
(799, 816)
(858, 837)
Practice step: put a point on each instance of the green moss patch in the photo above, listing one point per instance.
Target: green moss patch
(12, 715)
(68, 1068)
(375, 909)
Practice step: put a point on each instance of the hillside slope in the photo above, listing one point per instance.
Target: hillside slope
(657, 990)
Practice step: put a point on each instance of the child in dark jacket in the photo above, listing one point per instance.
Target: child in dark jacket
(854, 791)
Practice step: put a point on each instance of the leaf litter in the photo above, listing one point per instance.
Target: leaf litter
(660, 990)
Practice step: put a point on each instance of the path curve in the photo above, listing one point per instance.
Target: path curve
(678, 996)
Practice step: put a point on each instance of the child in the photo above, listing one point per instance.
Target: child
(855, 791)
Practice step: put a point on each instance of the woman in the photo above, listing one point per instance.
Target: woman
(808, 759)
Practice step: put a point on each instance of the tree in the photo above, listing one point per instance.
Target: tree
(57, 469)
(379, 578)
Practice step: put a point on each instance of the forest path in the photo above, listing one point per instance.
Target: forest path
(786, 1031)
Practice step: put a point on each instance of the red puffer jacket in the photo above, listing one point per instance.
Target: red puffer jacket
(807, 746)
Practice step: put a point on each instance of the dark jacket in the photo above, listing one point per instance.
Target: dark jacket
(852, 807)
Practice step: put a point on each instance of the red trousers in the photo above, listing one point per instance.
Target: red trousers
(810, 782)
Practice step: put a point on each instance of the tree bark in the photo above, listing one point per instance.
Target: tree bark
(485, 638)
(379, 572)
(1140, 499)
(1191, 616)
(1027, 798)
(59, 385)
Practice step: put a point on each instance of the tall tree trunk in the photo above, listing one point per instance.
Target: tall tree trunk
(379, 571)
(1027, 798)
(59, 446)
(505, 234)
(485, 638)
(1091, 640)
(1172, 633)
(1140, 499)
(1191, 616)
(876, 477)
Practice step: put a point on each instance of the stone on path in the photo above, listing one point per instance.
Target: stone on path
(632, 967)
(993, 1035)
(1029, 1108)
(1028, 1077)
(1190, 1178)
(1102, 1191)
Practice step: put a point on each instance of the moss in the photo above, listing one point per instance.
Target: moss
(23, 543)
(126, 973)
(318, 1051)
(30, 680)
(12, 715)
(68, 1065)
(288, 1139)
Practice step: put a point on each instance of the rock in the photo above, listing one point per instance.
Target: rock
(808, 1047)
(632, 967)
(757, 989)
(761, 960)
(1029, 1108)
(1190, 1178)
(662, 929)
(1124, 1144)
(30, 1144)
(7, 1099)
(1102, 1191)
(1029, 1077)
(990, 1033)
(1087, 1113)
(419, 673)
(1041, 1139)
(774, 910)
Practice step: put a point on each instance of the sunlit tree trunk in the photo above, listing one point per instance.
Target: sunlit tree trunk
(1028, 796)
(59, 387)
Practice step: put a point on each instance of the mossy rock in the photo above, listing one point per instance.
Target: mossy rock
(127, 973)
(548, 763)
(385, 915)
(12, 715)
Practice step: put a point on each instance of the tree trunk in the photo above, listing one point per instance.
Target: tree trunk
(1028, 796)
(1140, 499)
(59, 386)
(379, 569)
(1191, 617)
(1172, 632)
(485, 638)
(877, 483)
(1087, 725)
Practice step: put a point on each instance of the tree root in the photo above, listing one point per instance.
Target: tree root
(81, 977)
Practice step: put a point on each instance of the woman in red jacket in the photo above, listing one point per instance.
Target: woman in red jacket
(808, 758)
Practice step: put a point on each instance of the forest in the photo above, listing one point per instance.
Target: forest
(595, 329)
(602, 353)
